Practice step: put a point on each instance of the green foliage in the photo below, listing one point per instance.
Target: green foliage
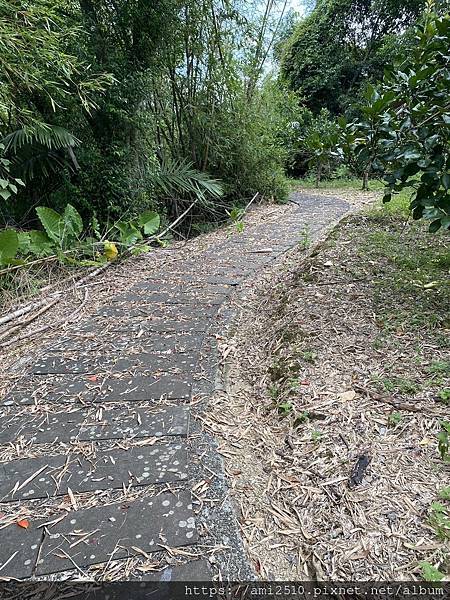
(150, 221)
(412, 116)
(321, 143)
(444, 396)
(38, 71)
(9, 244)
(63, 229)
(430, 573)
(305, 238)
(178, 178)
(341, 44)
(8, 184)
(440, 520)
(394, 418)
(360, 140)
(64, 235)
(314, 144)
(316, 436)
(443, 441)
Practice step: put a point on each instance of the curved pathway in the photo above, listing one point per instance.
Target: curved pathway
(119, 479)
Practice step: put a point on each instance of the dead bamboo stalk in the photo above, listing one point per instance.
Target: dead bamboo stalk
(45, 328)
(40, 312)
(23, 311)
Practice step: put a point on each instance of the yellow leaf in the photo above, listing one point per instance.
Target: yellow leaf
(110, 251)
(425, 442)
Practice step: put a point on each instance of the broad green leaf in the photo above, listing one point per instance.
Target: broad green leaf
(150, 221)
(72, 220)
(40, 244)
(129, 234)
(9, 245)
(52, 222)
(141, 250)
(24, 241)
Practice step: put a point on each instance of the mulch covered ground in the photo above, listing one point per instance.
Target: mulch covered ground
(337, 370)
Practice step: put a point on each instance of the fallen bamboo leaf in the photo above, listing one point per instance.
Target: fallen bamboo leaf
(347, 396)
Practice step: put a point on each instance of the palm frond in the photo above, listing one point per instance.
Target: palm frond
(39, 163)
(51, 137)
(180, 177)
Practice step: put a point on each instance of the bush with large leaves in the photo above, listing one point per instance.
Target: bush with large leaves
(415, 145)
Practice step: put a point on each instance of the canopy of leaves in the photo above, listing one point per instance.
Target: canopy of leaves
(415, 145)
(341, 43)
(39, 74)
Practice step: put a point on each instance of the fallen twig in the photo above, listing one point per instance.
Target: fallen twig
(12, 329)
(45, 328)
(389, 400)
(23, 311)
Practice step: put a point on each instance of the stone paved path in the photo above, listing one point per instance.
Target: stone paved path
(113, 455)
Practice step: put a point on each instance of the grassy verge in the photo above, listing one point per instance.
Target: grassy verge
(344, 183)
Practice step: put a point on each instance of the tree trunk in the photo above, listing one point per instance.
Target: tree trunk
(365, 186)
(319, 174)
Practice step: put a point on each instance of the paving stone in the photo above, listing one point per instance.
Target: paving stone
(118, 531)
(159, 463)
(69, 389)
(179, 342)
(86, 363)
(144, 387)
(162, 298)
(83, 425)
(169, 311)
(204, 281)
(19, 549)
(149, 324)
(196, 570)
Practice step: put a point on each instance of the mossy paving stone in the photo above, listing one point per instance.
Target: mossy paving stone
(158, 463)
(83, 425)
(19, 547)
(86, 363)
(118, 531)
(100, 387)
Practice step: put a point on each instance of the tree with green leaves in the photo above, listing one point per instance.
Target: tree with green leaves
(412, 108)
(342, 44)
(41, 79)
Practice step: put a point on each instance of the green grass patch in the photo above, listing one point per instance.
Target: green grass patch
(341, 183)
(409, 269)
(401, 385)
